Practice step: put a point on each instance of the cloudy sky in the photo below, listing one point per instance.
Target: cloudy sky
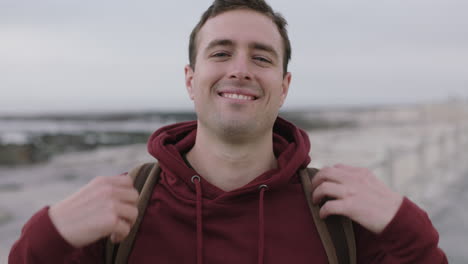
(70, 55)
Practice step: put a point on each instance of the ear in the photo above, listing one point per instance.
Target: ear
(285, 87)
(189, 80)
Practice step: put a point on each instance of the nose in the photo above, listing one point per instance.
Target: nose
(240, 69)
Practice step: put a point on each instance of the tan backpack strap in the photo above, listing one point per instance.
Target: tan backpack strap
(350, 239)
(144, 178)
(336, 232)
(319, 223)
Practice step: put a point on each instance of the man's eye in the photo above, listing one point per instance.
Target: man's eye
(262, 59)
(220, 54)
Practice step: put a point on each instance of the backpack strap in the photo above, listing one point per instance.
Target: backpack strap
(336, 232)
(144, 178)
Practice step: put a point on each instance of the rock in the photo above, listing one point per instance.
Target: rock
(5, 217)
(13, 154)
(44, 146)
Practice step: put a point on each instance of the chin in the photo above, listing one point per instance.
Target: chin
(233, 126)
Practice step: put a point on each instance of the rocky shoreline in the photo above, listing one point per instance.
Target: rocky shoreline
(40, 146)
(43, 147)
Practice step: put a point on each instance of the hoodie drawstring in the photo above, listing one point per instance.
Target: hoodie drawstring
(261, 221)
(261, 225)
(196, 181)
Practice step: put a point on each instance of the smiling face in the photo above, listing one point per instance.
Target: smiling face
(238, 84)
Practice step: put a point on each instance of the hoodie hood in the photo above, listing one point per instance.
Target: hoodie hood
(291, 147)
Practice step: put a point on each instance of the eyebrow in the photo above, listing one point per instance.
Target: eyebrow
(253, 45)
(219, 42)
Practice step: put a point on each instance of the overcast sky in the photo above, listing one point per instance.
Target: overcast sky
(63, 55)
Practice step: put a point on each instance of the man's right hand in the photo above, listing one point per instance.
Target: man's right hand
(106, 206)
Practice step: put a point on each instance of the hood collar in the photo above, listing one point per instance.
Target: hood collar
(290, 145)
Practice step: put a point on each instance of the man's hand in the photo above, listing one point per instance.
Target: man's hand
(355, 193)
(105, 206)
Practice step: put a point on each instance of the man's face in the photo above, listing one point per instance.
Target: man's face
(238, 84)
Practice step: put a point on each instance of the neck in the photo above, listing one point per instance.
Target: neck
(231, 165)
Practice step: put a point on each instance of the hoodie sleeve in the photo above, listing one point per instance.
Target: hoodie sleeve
(409, 238)
(40, 242)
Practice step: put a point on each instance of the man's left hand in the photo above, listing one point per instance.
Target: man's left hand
(356, 193)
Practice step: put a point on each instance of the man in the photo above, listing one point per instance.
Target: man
(229, 190)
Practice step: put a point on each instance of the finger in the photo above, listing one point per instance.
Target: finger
(341, 166)
(121, 231)
(332, 207)
(327, 190)
(117, 180)
(346, 167)
(127, 212)
(123, 180)
(327, 174)
(123, 194)
(112, 238)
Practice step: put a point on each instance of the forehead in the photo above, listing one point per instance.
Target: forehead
(242, 27)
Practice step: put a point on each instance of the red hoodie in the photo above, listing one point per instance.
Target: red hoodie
(186, 220)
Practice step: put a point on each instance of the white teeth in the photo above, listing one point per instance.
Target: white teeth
(237, 96)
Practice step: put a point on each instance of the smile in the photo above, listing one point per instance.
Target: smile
(237, 96)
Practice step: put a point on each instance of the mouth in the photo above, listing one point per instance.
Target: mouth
(235, 96)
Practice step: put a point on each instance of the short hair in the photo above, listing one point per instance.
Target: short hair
(260, 6)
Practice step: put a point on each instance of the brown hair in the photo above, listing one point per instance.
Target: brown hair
(221, 6)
